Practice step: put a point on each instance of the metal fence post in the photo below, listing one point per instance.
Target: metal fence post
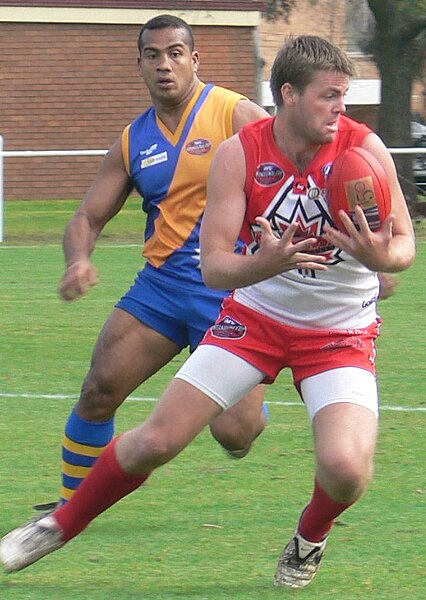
(1, 189)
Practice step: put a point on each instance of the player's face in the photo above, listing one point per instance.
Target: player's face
(168, 66)
(319, 107)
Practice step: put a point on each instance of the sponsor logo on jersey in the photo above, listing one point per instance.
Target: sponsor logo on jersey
(349, 342)
(198, 147)
(268, 174)
(346, 331)
(300, 186)
(228, 329)
(368, 303)
(149, 150)
(154, 160)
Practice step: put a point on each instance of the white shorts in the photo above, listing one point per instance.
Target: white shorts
(226, 378)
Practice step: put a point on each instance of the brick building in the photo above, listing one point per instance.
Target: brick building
(70, 81)
(69, 78)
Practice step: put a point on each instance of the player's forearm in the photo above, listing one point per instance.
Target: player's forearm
(397, 256)
(228, 270)
(79, 239)
(402, 253)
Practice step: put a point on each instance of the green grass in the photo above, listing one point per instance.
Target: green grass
(204, 527)
(29, 222)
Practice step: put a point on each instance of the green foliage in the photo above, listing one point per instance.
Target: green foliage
(403, 23)
(406, 11)
(281, 9)
(278, 9)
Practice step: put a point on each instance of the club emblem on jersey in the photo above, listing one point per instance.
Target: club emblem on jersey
(302, 201)
(228, 329)
(198, 147)
(268, 174)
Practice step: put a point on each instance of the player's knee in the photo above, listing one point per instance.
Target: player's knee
(350, 474)
(99, 398)
(237, 434)
(230, 439)
(153, 447)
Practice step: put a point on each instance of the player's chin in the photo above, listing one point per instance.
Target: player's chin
(166, 90)
(328, 137)
(324, 136)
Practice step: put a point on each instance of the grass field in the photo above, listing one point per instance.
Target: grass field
(204, 527)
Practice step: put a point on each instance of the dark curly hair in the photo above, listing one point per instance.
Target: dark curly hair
(163, 22)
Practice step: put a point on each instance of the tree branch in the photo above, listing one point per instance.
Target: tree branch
(411, 30)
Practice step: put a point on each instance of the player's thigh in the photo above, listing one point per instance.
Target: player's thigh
(222, 375)
(128, 351)
(345, 433)
(181, 413)
(343, 406)
(246, 415)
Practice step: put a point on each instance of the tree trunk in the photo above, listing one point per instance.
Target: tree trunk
(398, 66)
(394, 125)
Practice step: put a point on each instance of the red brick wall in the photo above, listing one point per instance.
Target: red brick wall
(325, 18)
(71, 86)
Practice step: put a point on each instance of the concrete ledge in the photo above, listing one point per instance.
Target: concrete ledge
(20, 14)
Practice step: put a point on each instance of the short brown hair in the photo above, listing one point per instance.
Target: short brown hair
(300, 58)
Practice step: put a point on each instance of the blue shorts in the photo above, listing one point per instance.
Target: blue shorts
(181, 311)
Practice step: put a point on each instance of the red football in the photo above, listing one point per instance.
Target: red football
(357, 177)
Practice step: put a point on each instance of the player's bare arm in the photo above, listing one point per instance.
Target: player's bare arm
(388, 285)
(246, 111)
(226, 205)
(392, 248)
(103, 200)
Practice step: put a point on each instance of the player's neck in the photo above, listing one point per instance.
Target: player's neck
(294, 146)
(171, 114)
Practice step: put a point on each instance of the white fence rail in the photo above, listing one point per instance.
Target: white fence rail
(32, 153)
(29, 154)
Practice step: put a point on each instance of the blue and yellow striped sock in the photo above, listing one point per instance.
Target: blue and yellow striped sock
(83, 443)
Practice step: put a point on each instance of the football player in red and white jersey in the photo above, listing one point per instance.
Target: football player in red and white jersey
(319, 320)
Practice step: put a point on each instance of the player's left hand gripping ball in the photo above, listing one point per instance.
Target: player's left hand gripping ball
(357, 177)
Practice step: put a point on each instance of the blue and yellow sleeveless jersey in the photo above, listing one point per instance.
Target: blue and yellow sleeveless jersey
(169, 170)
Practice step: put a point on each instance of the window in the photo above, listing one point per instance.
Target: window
(359, 24)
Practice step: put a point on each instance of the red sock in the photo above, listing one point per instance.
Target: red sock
(318, 517)
(105, 484)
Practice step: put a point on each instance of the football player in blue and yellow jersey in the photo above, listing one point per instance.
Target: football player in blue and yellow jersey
(165, 155)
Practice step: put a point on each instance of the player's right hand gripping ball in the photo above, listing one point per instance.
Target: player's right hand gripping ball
(357, 177)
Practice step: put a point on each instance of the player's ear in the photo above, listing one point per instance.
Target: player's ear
(288, 94)
(195, 60)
